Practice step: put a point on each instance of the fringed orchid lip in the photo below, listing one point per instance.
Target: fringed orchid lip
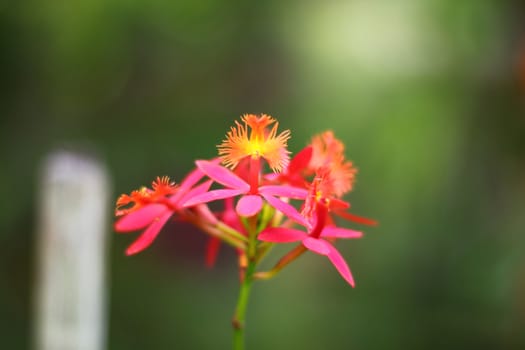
(253, 138)
(328, 152)
(161, 187)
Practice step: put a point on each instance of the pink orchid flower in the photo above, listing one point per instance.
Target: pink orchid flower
(251, 200)
(317, 245)
(319, 226)
(154, 212)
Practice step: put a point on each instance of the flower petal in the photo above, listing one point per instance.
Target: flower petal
(317, 245)
(249, 205)
(284, 191)
(203, 187)
(230, 217)
(339, 232)
(147, 237)
(286, 209)
(140, 218)
(191, 179)
(281, 235)
(204, 212)
(337, 204)
(340, 264)
(271, 176)
(301, 160)
(212, 250)
(211, 196)
(359, 219)
(222, 175)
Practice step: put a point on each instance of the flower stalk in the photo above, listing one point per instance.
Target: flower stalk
(239, 317)
(281, 264)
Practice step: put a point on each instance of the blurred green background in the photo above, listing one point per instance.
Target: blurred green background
(426, 95)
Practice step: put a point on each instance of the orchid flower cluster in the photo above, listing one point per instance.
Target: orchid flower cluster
(296, 201)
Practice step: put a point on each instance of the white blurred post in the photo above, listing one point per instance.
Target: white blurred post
(71, 238)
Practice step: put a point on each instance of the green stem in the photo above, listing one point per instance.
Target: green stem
(231, 231)
(212, 231)
(219, 230)
(240, 311)
(246, 285)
